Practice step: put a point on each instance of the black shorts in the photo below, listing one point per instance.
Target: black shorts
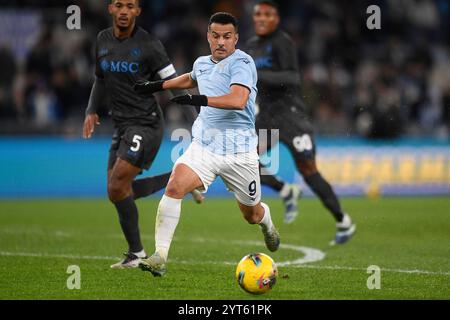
(295, 132)
(138, 145)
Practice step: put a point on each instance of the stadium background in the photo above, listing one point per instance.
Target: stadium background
(379, 99)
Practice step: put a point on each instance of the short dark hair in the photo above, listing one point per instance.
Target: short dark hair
(270, 3)
(137, 2)
(223, 18)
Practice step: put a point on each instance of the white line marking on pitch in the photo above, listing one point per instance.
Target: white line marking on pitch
(48, 255)
(310, 254)
(110, 258)
(382, 269)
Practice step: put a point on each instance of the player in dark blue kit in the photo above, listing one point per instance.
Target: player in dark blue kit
(281, 107)
(126, 55)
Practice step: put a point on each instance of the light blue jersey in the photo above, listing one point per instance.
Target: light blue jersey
(226, 131)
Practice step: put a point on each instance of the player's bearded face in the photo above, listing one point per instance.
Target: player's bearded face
(265, 19)
(124, 12)
(222, 39)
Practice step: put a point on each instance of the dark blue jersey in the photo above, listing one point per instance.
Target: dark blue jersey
(278, 73)
(120, 63)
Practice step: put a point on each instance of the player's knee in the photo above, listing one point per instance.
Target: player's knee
(116, 190)
(174, 190)
(252, 219)
(251, 216)
(307, 167)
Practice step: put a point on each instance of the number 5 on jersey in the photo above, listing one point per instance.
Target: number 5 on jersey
(137, 143)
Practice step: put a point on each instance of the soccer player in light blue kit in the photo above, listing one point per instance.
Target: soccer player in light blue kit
(225, 140)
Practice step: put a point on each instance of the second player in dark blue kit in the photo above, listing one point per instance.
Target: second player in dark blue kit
(125, 55)
(281, 107)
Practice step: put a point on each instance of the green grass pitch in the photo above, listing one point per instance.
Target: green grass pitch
(408, 238)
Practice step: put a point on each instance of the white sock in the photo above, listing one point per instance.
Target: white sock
(345, 223)
(266, 221)
(169, 210)
(140, 254)
(284, 192)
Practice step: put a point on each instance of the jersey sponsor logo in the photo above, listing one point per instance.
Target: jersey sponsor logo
(221, 66)
(119, 66)
(136, 52)
(201, 72)
(104, 65)
(264, 62)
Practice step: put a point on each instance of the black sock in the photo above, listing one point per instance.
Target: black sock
(325, 192)
(147, 186)
(271, 180)
(128, 218)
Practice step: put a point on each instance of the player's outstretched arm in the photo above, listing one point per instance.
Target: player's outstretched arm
(181, 82)
(145, 87)
(235, 100)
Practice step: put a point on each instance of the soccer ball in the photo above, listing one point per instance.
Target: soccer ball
(256, 273)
